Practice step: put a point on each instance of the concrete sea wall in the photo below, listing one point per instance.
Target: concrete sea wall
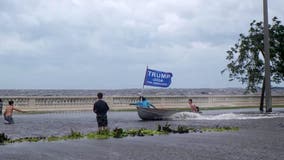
(64, 103)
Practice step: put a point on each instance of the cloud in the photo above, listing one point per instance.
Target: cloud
(92, 43)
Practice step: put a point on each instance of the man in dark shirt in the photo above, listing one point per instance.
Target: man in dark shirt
(101, 108)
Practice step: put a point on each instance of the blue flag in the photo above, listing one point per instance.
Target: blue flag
(157, 78)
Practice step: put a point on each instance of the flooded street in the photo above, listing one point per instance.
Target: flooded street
(260, 136)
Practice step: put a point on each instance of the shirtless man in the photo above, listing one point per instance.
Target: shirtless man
(1, 106)
(193, 107)
(9, 112)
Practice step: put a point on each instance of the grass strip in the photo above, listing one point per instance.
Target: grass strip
(117, 133)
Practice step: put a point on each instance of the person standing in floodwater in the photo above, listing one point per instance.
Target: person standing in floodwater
(1, 106)
(101, 108)
(193, 107)
(8, 114)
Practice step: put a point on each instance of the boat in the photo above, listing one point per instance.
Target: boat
(155, 114)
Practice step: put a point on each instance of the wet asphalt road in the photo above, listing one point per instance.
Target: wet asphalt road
(259, 137)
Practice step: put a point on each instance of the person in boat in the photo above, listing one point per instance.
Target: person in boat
(144, 103)
(8, 114)
(193, 107)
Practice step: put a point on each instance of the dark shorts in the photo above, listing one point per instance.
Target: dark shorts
(102, 120)
(9, 119)
(197, 109)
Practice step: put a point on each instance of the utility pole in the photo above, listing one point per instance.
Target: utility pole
(268, 100)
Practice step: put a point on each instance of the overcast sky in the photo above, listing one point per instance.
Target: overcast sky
(107, 44)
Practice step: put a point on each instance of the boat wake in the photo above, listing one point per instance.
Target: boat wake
(185, 116)
(224, 116)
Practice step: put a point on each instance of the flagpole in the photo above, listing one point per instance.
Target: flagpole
(144, 81)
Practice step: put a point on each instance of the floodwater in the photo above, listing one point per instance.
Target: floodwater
(261, 136)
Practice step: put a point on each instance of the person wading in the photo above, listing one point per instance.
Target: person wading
(1, 106)
(193, 107)
(101, 108)
(8, 114)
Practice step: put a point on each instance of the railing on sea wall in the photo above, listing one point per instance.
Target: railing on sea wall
(54, 103)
